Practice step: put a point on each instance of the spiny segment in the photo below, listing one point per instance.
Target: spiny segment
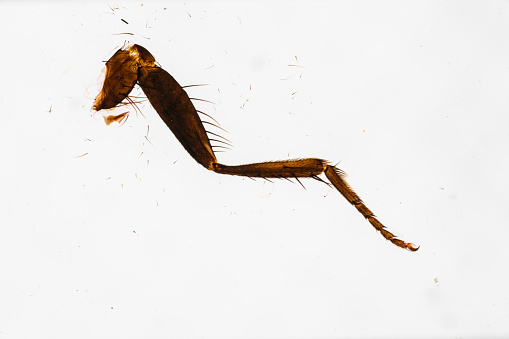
(299, 182)
(134, 105)
(221, 141)
(194, 85)
(210, 102)
(208, 116)
(219, 146)
(217, 135)
(209, 123)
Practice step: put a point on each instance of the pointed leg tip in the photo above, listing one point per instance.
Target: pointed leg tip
(412, 247)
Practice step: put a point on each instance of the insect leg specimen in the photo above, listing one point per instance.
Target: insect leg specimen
(135, 65)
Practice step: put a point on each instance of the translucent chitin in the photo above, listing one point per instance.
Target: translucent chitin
(135, 65)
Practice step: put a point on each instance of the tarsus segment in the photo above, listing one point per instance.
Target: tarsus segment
(336, 177)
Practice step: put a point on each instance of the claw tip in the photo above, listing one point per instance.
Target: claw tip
(412, 247)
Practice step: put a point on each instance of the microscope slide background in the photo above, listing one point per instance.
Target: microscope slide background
(116, 232)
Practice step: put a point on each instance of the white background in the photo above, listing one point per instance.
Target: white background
(116, 232)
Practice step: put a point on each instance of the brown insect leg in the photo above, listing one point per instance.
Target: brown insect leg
(136, 65)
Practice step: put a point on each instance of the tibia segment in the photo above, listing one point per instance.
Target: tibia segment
(296, 168)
